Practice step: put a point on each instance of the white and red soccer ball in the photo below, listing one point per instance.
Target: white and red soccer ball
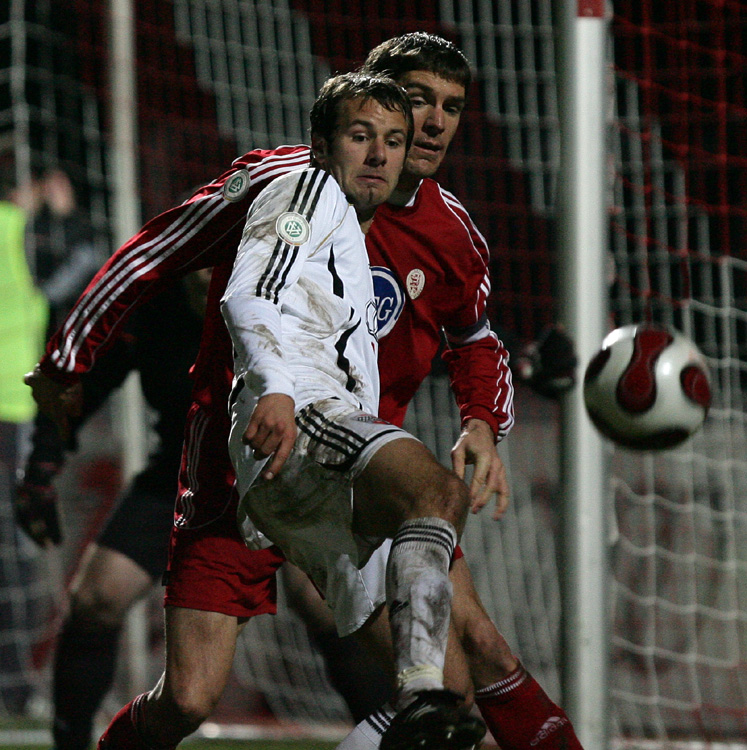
(647, 388)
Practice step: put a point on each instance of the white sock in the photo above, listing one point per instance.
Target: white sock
(419, 598)
(367, 734)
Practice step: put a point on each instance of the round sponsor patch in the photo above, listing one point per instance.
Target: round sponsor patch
(390, 299)
(415, 283)
(292, 228)
(236, 186)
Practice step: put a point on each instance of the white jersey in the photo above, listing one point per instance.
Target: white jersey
(301, 313)
(300, 302)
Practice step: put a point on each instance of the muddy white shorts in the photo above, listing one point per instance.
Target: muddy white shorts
(307, 509)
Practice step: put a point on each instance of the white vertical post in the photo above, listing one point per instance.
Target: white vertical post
(125, 222)
(583, 248)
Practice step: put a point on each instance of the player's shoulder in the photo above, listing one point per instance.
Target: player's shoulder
(444, 212)
(283, 157)
(257, 169)
(434, 196)
(306, 189)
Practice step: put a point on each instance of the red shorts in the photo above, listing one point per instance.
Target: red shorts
(210, 568)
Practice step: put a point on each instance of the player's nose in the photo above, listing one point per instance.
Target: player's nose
(376, 152)
(435, 122)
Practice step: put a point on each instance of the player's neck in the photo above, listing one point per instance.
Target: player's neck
(365, 221)
(405, 191)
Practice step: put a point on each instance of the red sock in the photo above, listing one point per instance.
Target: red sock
(521, 716)
(122, 732)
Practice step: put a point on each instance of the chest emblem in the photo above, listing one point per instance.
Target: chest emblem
(415, 283)
(390, 299)
(292, 228)
(236, 186)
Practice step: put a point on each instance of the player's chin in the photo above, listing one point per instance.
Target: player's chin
(375, 195)
(422, 167)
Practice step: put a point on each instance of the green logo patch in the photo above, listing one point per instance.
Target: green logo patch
(292, 228)
(236, 186)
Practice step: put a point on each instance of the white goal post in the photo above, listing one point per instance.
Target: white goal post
(583, 239)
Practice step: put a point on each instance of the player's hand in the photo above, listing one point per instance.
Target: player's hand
(548, 365)
(272, 431)
(58, 401)
(476, 445)
(35, 503)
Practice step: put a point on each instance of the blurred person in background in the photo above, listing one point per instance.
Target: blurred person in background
(61, 244)
(129, 554)
(23, 319)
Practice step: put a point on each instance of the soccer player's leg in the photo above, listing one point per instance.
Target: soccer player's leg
(405, 491)
(107, 584)
(516, 709)
(367, 734)
(363, 683)
(199, 654)
(200, 647)
(127, 559)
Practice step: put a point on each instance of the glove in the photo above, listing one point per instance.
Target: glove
(548, 365)
(35, 503)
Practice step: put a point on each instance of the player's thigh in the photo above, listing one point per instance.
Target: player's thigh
(404, 480)
(106, 585)
(200, 647)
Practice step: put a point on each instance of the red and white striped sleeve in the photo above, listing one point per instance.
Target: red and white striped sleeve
(201, 233)
(476, 359)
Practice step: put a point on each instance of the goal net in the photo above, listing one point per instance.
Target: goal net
(219, 77)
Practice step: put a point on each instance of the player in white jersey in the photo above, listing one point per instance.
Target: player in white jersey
(300, 309)
(317, 472)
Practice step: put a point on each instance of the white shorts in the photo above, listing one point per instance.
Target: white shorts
(307, 509)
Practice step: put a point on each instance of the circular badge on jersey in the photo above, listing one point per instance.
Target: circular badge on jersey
(236, 186)
(292, 228)
(415, 283)
(390, 299)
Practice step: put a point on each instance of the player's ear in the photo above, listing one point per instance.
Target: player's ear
(319, 149)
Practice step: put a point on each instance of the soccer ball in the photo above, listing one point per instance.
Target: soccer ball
(647, 387)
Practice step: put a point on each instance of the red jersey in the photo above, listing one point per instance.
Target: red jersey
(434, 237)
(430, 268)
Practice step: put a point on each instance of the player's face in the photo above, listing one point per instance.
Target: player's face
(367, 154)
(437, 106)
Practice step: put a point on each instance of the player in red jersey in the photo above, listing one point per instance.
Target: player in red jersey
(210, 591)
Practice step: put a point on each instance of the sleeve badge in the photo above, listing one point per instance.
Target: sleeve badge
(236, 186)
(292, 228)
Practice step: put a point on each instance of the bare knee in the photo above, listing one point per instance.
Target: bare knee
(92, 608)
(449, 500)
(200, 646)
(187, 704)
(106, 585)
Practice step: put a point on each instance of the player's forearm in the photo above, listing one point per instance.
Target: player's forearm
(255, 329)
(481, 381)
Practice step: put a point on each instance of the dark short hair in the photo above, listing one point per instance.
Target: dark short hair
(419, 50)
(346, 86)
